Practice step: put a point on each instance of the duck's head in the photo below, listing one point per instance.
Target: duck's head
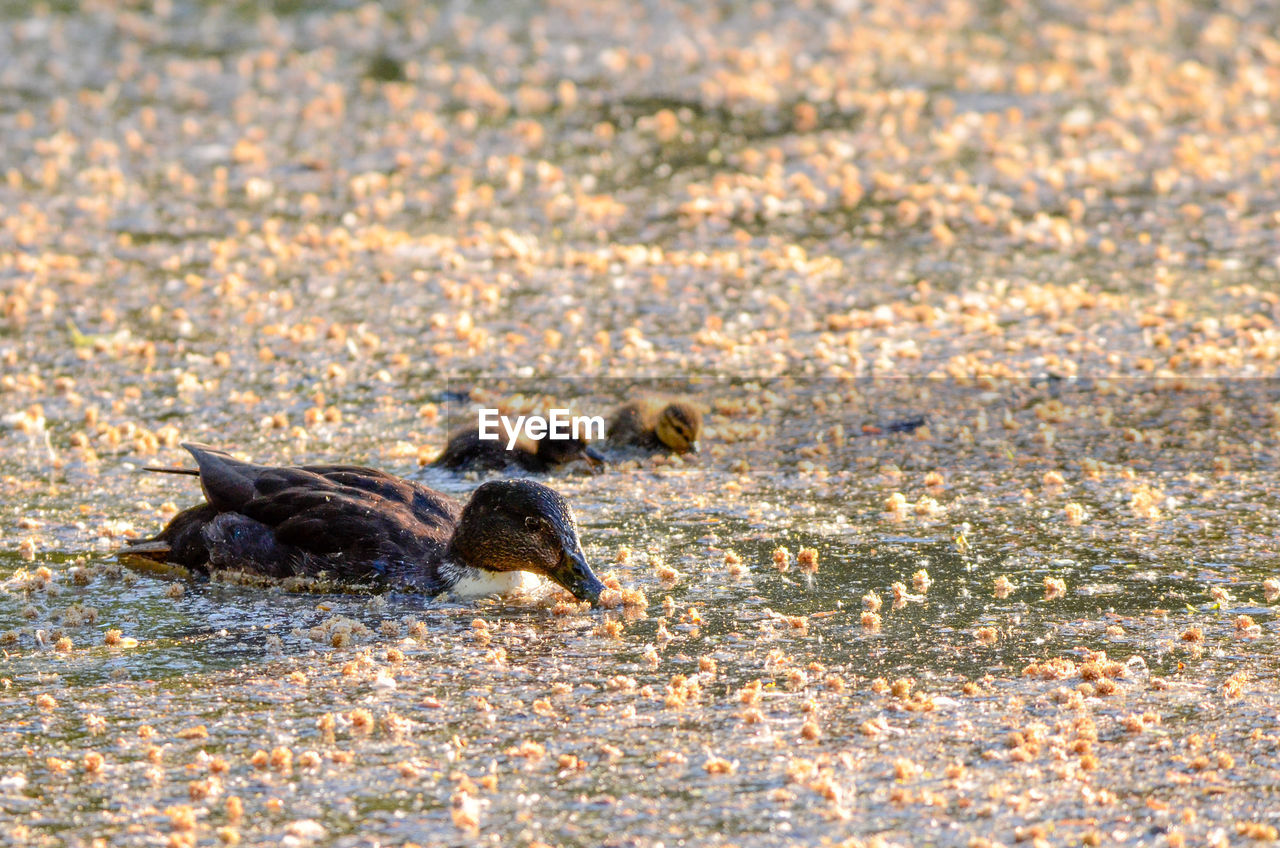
(563, 451)
(678, 427)
(519, 525)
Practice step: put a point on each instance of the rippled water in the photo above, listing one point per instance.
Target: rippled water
(588, 735)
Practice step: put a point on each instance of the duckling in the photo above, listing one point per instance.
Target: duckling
(358, 524)
(466, 451)
(655, 424)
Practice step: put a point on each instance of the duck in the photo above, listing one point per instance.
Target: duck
(656, 425)
(352, 524)
(466, 451)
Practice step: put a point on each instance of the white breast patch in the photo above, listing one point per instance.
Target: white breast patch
(476, 583)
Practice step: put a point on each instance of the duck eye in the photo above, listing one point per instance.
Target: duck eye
(540, 525)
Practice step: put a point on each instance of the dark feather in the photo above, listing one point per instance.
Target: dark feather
(466, 451)
(359, 524)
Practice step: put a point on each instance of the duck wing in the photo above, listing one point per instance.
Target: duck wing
(229, 484)
(354, 523)
(422, 501)
(335, 519)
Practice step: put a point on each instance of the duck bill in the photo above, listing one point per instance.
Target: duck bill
(574, 574)
(594, 458)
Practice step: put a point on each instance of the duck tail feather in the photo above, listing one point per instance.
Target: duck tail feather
(194, 472)
(228, 483)
(156, 549)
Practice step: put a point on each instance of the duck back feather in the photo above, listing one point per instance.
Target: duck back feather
(309, 521)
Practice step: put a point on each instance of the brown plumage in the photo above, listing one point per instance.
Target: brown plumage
(466, 451)
(657, 424)
(354, 524)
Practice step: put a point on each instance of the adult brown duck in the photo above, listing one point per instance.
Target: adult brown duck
(358, 525)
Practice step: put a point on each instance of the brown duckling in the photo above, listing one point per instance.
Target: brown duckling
(466, 451)
(657, 424)
(356, 524)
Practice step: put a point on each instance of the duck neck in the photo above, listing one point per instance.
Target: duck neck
(454, 566)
